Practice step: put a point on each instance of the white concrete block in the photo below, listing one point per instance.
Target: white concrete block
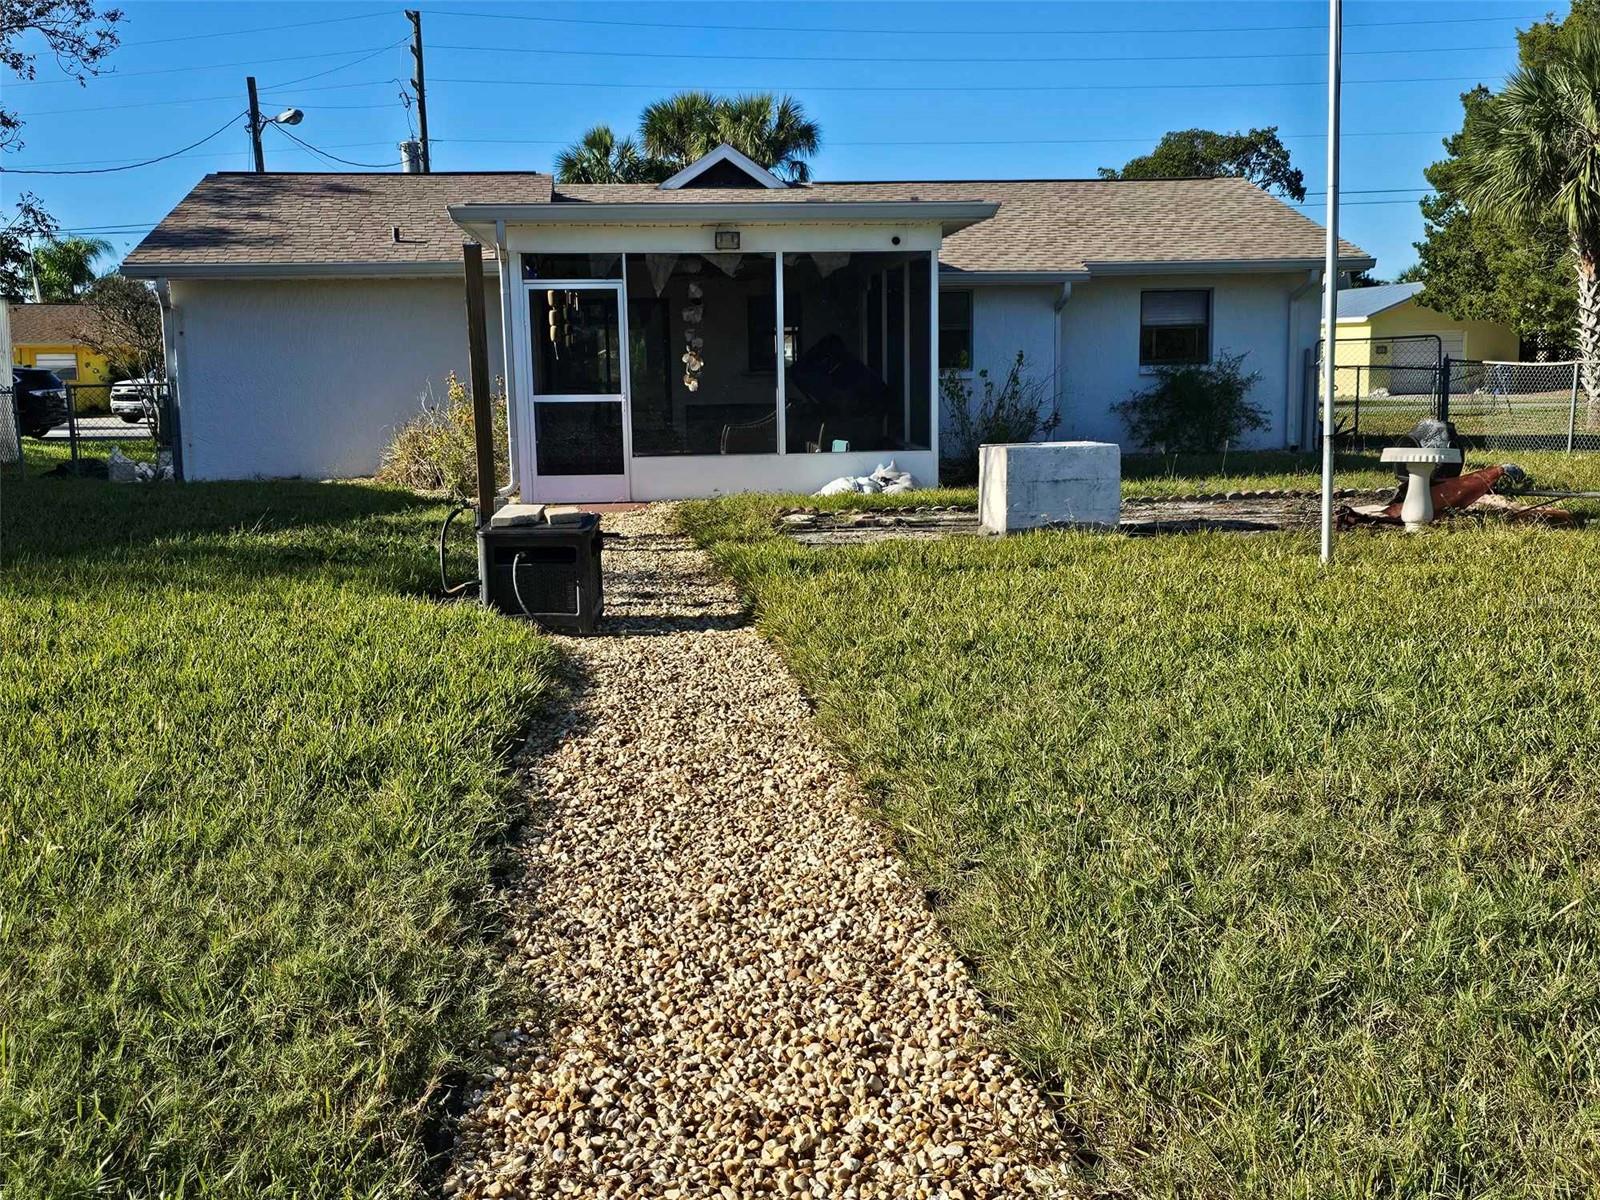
(1028, 484)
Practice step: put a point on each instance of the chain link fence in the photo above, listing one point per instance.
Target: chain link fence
(1521, 406)
(1381, 386)
(137, 417)
(10, 436)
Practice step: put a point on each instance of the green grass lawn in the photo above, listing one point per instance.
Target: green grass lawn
(252, 789)
(1286, 881)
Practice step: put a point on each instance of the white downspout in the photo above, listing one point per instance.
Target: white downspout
(508, 352)
(1055, 367)
(1293, 412)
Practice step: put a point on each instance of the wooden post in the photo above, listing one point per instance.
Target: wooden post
(255, 123)
(478, 361)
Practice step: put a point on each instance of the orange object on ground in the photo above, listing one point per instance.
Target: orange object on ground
(1458, 492)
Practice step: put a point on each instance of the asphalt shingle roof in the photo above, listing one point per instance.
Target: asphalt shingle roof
(245, 218)
(1047, 225)
(51, 324)
(1357, 304)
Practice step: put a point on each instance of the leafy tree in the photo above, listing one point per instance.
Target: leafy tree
(598, 157)
(126, 328)
(1259, 156)
(1533, 157)
(64, 267)
(16, 259)
(1483, 263)
(77, 35)
(674, 132)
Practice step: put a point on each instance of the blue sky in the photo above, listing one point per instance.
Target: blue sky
(920, 91)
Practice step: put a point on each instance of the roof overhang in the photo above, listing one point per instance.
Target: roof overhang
(305, 270)
(955, 277)
(1230, 265)
(951, 215)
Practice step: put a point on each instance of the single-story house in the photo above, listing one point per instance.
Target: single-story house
(50, 336)
(721, 331)
(1369, 316)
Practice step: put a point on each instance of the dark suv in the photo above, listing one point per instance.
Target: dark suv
(41, 400)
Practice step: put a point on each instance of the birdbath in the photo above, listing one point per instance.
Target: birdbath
(1420, 463)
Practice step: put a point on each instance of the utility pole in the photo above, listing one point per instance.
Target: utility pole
(255, 124)
(1330, 281)
(420, 83)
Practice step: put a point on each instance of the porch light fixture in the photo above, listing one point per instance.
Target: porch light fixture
(727, 239)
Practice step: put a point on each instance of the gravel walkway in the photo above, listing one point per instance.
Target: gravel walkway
(747, 998)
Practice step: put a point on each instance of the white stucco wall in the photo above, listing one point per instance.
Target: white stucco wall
(1249, 312)
(310, 377)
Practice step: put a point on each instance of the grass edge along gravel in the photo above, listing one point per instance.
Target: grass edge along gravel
(254, 786)
(1287, 882)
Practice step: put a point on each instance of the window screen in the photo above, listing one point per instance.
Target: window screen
(1174, 328)
(955, 331)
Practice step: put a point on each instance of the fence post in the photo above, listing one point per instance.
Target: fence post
(72, 425)
(1572, 410)
(1444, 388)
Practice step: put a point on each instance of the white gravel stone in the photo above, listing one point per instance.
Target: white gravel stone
(747, 998)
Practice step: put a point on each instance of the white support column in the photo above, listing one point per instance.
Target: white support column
(933, 359)
(506, 280)
(779, 347)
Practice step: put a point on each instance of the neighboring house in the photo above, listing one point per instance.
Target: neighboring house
(51, 336)
(653, 329)
(1368, 316)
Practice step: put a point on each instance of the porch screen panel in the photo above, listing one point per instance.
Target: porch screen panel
(859, 379)
(577, 342)
(702, 344)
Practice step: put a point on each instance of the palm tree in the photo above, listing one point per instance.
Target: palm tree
(598, 157)
(772, 130)
(680, 128)
(64, 267)
(1536, 153)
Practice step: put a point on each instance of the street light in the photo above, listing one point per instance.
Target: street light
(289, 116)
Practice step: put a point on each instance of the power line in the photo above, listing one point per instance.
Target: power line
(881, 58)
(343, 66)
(195, 37)
(250, 62)
(94, 162)
(332, 157)
(266, 87)
(967, 88)
(902, 32)
(232, 121)
(1122, 139)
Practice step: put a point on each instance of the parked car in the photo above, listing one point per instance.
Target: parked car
(41, 400)
(134, 400)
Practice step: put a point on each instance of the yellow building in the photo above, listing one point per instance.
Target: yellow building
(50, 336)
(1369, 315)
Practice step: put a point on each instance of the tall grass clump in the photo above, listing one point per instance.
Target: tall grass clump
(435, 451)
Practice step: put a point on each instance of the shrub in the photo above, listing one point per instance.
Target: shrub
(1194, 408)
(1020, 408)
(435, 452)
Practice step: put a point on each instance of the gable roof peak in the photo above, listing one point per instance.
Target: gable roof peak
(729, 160)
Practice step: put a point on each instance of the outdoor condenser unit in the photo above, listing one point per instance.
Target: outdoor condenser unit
(550, 573)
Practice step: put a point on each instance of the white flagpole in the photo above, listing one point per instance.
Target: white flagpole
(1330, 281)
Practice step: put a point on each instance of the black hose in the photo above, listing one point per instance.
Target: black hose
(444, 531)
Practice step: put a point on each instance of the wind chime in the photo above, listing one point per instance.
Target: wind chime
(693, 315)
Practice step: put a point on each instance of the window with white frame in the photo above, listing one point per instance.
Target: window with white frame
(63, 366)
(1174, 327)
